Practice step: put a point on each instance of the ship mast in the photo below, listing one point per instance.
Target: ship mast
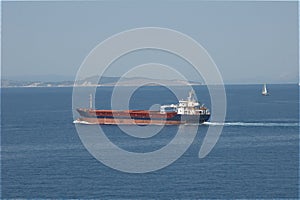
(91, 101)
(191, 97)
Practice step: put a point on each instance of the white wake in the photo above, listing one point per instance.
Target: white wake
(81, 122)
(257, 124)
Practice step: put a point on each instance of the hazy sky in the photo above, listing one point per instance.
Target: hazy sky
(251, 42)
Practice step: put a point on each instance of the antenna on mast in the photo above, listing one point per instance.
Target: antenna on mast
(91, 101)
(191, 96)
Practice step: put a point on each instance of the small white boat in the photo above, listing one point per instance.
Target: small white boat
(264, 90)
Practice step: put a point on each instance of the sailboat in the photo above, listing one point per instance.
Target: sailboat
(264, 90)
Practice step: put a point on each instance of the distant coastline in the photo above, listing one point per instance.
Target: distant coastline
(109, 82)
(93, 82)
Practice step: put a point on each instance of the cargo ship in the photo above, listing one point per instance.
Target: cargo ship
(184, 112)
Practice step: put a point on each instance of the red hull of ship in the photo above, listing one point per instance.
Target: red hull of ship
(125, 113)
(126, 121)
(140, 117)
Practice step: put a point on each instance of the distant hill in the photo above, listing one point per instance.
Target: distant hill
(13, 83)
(93, 81)
(133, 81)
(42, 78)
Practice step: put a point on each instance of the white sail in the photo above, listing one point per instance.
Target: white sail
(264, 90)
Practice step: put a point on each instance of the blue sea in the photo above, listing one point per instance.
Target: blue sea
(256, 156)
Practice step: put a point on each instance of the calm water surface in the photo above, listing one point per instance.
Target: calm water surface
(257, 155)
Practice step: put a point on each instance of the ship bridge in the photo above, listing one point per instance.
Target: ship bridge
(186, 107)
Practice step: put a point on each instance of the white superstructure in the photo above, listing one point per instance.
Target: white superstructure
(186, 107)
